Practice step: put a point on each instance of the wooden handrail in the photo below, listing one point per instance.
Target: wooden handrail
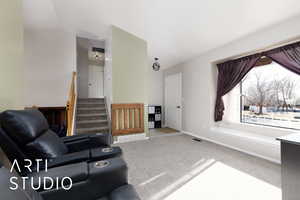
(71, 106)
(127, 119)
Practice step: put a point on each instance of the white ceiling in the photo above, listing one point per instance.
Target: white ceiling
(176, 30)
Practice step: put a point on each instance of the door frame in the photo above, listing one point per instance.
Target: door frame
(180, 92)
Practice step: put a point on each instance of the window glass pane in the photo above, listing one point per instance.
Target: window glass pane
(270, 95)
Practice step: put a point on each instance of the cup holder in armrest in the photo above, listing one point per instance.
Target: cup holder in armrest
(107, 150)
(101, 164)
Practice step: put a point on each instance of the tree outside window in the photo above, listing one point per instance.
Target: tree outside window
(271, 97)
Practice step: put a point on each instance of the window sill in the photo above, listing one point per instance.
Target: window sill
(256, 130)
(245, 134)
(265, 147)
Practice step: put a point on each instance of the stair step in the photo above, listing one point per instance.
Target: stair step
(90, 103)
(96, 106)
(92, 108)
(79, 126)
(92, 130)
(91, 100)
(90, 111)
(83, 99)
(91, 115)
(91, 123)
(86, 117)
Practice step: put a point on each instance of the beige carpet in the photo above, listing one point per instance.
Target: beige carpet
(179, 168)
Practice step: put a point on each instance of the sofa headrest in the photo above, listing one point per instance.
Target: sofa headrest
(11, 149)
(23, 125)
(48, 145)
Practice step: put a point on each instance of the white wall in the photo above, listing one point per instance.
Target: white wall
(50, 59)
(11, 60)
(155, 79)
(11, 55)
(155, 86)
(199, 89)
(82, 72)
(129, 67)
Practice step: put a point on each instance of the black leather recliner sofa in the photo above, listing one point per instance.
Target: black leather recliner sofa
(25, 134)
(96, 173)
(115, 189)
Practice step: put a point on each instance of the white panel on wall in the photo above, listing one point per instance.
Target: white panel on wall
(155, 86)
(50, 59)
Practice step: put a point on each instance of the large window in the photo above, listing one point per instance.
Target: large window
(270, 96)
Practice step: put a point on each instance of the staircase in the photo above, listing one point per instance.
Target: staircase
(91, 116)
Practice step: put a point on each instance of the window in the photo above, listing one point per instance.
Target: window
(270, 96)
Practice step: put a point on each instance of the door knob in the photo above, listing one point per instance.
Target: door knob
(177, 106)
(90, 84)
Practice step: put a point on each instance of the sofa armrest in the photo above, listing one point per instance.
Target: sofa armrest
(78, 145)
(69, 158)
(89, 141)
(77, 172)
(100, 182)
(126, 192)
(74, 138)
(105, 180)
(104, 139)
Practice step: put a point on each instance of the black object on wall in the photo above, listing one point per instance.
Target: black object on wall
(154, 116)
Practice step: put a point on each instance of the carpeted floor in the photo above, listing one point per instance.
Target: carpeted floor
(177, 167)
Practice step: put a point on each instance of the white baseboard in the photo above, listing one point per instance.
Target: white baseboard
(131, 138)
(232, 147)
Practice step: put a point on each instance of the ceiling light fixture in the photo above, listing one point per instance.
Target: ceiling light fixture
(98, 55)
(156, 65)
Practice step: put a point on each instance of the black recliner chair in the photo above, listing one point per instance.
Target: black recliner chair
(96, 188)
(25, 134)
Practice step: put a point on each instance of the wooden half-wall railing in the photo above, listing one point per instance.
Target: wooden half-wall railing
(127, 119)
(71, 105)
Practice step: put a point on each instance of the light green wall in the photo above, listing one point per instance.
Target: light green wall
(11, 55)
(129, 68)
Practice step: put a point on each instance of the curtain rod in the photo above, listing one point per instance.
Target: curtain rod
(261, 50)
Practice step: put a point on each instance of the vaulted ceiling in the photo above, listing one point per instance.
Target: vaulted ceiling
(176, 30)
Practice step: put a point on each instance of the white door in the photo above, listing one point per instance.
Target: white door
(173, 101)
(95, 81)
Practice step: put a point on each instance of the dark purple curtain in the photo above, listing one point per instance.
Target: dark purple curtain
(232, 72)
(287, 56)
(229, 75)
